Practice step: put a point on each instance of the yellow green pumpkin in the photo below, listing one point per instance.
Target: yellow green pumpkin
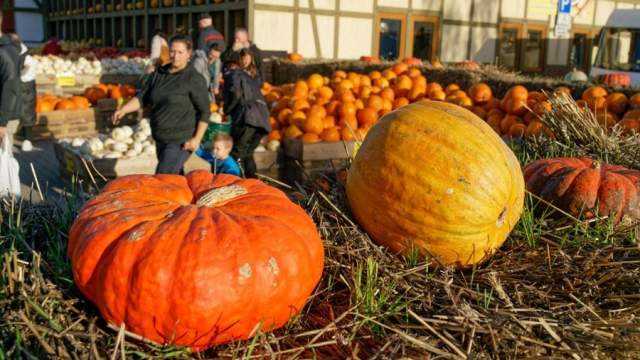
(434, 177)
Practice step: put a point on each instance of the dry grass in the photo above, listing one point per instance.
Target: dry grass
(578, 130)
(557, 288)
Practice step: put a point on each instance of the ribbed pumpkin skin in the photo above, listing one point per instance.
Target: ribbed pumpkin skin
(584, 187)
(173, 272)
(435, 177)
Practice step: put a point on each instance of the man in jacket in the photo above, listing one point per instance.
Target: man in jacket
(9, 85)
(208, 35)
(241, 41)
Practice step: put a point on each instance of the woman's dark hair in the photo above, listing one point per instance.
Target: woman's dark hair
(186, 40)
(160, 32)
(251, 68)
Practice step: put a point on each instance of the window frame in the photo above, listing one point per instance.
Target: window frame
(519, 27)
(403, 32)
(435, 20)
(543, 49)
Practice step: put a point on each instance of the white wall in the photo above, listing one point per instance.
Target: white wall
(354, 37)
(394, 3)
(483, 44)
(306, 40)
(280, 30)
(513, 8)
(585, 16)
(453, 45)
(603, 10)
(457, 10)
(486, 11)
(319, 4)
(357, 5)
(274, 2)
(433, 5)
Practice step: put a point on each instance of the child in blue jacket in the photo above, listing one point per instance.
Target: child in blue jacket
(218, 155)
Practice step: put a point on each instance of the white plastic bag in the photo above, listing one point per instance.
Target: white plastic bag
(9, 170)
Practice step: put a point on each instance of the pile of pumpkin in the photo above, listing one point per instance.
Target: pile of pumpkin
(48, 102)
(613, 109)
(345, 105)
(109, 91)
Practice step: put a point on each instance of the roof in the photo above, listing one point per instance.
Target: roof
(624, 18)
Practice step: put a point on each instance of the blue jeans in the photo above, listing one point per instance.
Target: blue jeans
(171, 158)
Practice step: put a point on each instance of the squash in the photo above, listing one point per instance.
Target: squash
(583, 186)
(208, 257)
(458, 204)
(616, 79)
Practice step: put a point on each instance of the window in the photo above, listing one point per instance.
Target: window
(578, 56)
(509, 48)
(390, 36)
(620, 50)
(424, 37)
(533, 50)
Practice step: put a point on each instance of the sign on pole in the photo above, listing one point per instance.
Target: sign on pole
(563, 20)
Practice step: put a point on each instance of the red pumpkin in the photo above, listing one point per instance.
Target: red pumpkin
(616, 79)
(194, 260)
(582, 186)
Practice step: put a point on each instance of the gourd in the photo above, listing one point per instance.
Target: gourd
(119, 134)
(167, 239)
(458, 204)
(77, 142)
(586, 187)
(119, 147)
(273, 145)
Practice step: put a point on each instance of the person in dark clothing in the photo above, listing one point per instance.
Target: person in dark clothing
(27, 66)
(9, 83)
(208, 35)
(241, 41)
(247, 108)
(179, 107)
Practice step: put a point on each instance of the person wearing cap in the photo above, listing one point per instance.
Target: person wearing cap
(208, 34)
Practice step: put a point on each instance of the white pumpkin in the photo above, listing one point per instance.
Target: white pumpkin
(149, 150)
(77, 142)
(273, 145)
(215, 118)
(140, 136)
(137, 147)
(260, 148)
(119, 147)
(131, 153)
(119, 134)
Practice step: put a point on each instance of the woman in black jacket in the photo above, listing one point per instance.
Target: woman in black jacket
(179, 102)
(247, 108)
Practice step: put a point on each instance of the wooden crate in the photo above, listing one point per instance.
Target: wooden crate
(301, 160)
(296, 149)
(72, 163)
(266, 160)
(64, 124)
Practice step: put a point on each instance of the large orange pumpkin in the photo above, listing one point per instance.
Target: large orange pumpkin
(458, 204)
(586, 187)
(194, 260)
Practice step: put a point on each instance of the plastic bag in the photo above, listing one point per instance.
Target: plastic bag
(9, 170)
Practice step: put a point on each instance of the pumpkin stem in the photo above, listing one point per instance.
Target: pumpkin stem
(219, 195)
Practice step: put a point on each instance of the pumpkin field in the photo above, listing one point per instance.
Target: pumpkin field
(472, 222)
